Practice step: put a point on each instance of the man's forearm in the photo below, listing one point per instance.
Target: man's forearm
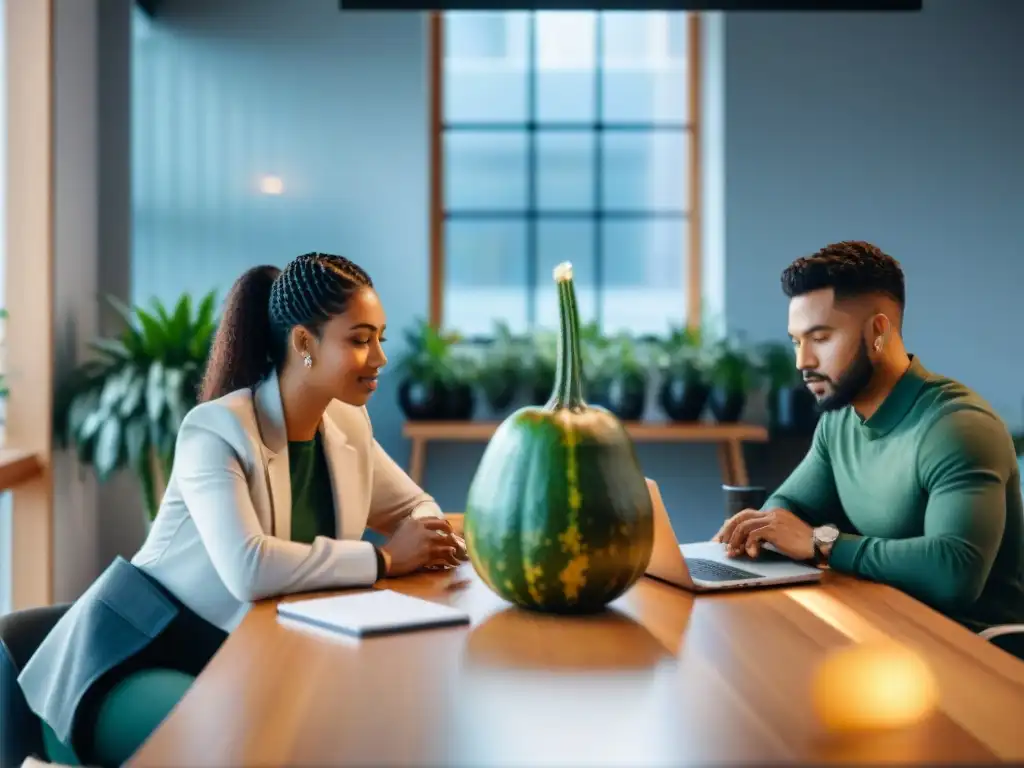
(945, 572)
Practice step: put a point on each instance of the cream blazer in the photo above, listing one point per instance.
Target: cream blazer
(221, 538)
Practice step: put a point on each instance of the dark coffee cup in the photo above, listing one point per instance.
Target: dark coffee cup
(740, 497)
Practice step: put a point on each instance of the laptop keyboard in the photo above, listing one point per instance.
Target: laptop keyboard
(710, 570)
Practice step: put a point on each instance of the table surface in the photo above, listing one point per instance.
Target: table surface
(663, 677)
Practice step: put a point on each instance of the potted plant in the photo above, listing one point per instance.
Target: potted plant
(541, 360)
(436, 384)
(124, 408)
(684, 389)
(731, 376)
(463, 378)
(792, 408)
(619, 376)
(543, 357)
(500, 371)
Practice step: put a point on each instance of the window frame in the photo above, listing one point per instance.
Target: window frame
(693, 255)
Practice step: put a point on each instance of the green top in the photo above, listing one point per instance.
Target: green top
(927, 494)
(312, 495)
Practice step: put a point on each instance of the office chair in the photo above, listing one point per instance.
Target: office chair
(1009, 637)
(21, 632)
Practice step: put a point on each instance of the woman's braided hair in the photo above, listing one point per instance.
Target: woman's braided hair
(263, 306)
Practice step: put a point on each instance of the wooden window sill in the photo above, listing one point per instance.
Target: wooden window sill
(17, 466)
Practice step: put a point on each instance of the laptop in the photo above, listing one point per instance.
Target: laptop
(704, 567)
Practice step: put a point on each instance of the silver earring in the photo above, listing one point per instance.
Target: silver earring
(878, 345)
(307, 360)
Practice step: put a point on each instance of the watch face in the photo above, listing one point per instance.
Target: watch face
(827, 534)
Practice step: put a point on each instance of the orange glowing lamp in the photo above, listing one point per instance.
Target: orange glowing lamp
(872, 686)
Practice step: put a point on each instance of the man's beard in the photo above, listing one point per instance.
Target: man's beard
(849, 385)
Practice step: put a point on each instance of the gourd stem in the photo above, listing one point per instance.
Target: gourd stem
(568, 391)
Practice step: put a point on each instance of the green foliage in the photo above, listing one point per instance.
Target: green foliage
(777, 365)
(731, 368)
(501, 368)
(618, 356)
(430, 357)
(124, 408)
(681, 353)
(543, 357)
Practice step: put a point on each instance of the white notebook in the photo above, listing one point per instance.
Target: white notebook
(381, 611)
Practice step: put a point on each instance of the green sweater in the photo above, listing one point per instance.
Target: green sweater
(927, 494)
(312, 495)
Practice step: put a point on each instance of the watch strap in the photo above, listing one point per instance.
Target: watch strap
(820, 558)
(382, 563)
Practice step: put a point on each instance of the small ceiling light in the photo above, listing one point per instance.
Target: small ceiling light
(271, 185)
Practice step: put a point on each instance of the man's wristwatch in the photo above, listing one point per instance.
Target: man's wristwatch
(822, 538)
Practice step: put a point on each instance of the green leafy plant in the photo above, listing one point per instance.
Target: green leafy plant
(776, 364)
(430, 356)
(124, 408)
(681, 354)
(501, 368)
(731, 368)
(619, 356)
(542, 357)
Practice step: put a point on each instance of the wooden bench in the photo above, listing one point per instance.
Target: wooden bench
(729, 438)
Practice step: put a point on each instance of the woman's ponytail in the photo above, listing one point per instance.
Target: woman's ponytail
(242, 351)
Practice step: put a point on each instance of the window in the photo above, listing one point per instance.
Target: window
(6, 529)
(563, 136)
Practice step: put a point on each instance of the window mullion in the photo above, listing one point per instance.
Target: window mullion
(532, 251)
(598, 233)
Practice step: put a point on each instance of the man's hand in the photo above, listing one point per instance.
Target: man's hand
(744, 533)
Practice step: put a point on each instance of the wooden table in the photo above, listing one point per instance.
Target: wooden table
(664, 678)
(728, 437)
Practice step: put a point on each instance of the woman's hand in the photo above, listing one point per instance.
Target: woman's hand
(460, 547)
(461, 554)
(420, 542)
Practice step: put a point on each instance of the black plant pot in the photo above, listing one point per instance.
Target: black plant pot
(792, 410)
(423, 400)
(624, 396)
(726, 405)
(460, 402)
(500, 394)
(683, 399)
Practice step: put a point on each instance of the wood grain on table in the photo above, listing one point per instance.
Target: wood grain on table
(664, 677)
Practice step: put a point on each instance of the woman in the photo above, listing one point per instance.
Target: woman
(276, 474)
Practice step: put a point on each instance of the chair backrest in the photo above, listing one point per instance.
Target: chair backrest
(21, 632)
(1011, 642)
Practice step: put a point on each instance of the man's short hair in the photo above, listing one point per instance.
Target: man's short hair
(851, 268)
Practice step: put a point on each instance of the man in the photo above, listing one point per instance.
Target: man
(912, 479)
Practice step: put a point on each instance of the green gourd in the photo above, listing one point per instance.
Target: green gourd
(559, 518)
